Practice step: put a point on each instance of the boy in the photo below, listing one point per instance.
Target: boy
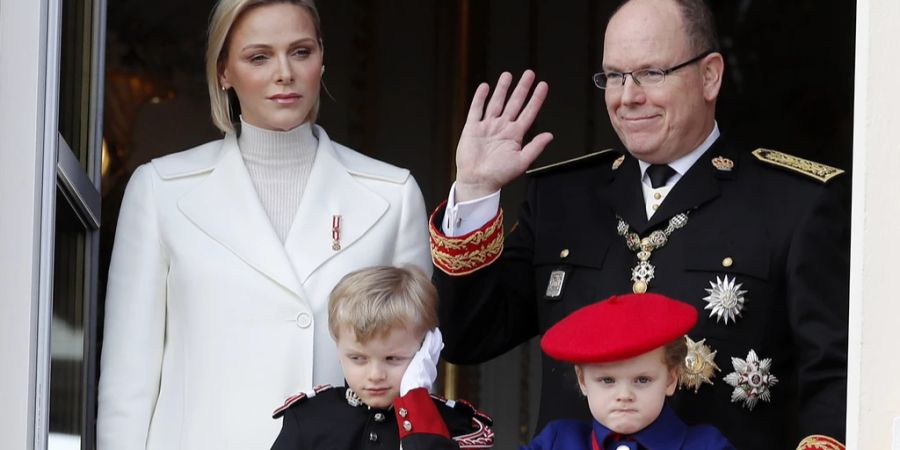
(628, 351)
(384, 321)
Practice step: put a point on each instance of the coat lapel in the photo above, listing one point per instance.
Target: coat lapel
(227, 208)
(698, 186)
(330, 191)
(625, 195)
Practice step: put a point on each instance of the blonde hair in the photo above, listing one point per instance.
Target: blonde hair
(225, 14)
(370, 302)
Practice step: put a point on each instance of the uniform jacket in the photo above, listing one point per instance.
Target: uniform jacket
(667, 432)
(788, 239)
(210, 319)
(327, 421)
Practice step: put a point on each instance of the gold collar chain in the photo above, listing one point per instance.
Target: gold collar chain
(643, 271)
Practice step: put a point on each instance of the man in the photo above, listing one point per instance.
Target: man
(756, 240)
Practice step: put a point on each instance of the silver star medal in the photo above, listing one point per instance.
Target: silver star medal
(725, 299)
(751, 379)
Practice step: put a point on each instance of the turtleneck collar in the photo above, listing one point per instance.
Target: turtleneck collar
(288, 145)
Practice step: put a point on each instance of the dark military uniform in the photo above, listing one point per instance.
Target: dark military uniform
(778, 232)
(327, 421)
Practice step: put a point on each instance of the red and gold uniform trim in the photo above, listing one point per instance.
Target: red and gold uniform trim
(465, 254)
(820, 442)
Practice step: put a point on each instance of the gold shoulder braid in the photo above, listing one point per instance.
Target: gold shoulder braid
(806, 167)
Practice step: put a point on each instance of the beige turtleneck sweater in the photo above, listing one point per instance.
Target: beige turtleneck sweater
(279, 163)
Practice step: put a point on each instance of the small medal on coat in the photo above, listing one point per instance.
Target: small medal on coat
(699, 365)
(725, 300)
(752, 380)
(556, 284)
(336, 232)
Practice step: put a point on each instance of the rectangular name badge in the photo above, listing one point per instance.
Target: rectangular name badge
(556, 284)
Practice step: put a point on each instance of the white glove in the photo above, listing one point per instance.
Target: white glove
(422, 370)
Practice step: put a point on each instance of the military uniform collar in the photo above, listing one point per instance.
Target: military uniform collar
(355, 401)
(699, 185)
(683, 164)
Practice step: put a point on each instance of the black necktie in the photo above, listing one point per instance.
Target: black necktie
(659, 174)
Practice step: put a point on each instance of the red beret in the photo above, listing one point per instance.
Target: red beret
(618, 328)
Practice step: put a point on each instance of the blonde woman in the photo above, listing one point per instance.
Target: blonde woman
(225, 254)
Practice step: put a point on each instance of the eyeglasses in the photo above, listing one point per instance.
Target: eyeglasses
(642, 77)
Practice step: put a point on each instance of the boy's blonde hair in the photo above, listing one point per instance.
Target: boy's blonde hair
(370, 302)
(225, 14)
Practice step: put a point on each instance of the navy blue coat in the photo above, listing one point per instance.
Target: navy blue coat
(667, 432)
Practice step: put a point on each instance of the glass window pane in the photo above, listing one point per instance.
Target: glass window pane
(75, 99)
(67, 384)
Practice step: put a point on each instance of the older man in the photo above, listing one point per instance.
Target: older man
(757, 240)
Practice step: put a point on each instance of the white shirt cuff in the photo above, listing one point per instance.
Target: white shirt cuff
(466, 217)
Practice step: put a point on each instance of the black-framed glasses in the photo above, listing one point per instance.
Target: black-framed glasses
(642, 77)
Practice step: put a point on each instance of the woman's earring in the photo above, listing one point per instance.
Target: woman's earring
(224, 88)
(323, 70)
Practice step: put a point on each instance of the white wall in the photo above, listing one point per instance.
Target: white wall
(21, 147)
(874, 387)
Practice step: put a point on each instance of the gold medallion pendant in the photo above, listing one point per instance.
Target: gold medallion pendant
(752, 380)
(643, 271)
(699, 365)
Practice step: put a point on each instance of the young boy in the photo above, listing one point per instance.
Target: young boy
(384, 321)
(628, 351)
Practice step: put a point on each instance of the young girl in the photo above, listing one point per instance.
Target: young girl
(628, 351)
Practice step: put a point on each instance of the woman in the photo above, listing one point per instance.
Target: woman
(225, 253)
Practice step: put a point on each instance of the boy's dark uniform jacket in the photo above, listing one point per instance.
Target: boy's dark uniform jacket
(781, 233)
(327, 421)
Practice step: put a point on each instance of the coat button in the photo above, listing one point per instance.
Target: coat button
(304, 320)
(379, 417)
(564, 253)
(373, 437)
(727, 262)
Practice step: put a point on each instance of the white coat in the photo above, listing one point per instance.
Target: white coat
(211, 321)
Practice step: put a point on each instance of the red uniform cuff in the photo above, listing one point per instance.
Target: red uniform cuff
(820, 442)
(465, 254)
(417, 414)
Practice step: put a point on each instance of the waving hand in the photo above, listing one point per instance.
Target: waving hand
(491, 153)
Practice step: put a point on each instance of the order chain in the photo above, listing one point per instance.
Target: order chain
(643, 271)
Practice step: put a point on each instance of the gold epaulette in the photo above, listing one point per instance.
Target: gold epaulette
(806, 167)
(820, 442)
(590, 157)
